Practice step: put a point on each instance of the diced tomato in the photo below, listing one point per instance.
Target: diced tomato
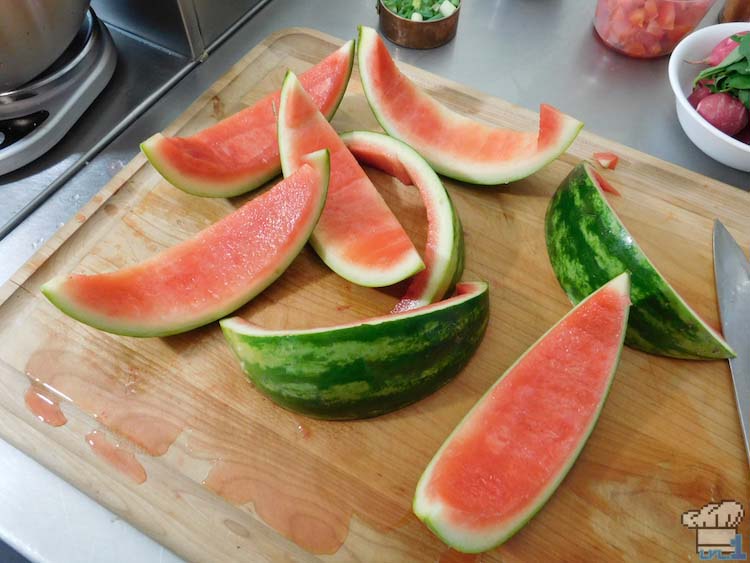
(607, 159)
(604, 185)
(647, 28)
(653, 28)
(666, 15)
(637, 17)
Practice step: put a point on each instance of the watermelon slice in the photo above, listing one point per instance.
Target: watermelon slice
(365, 368)
(512, 450)
(208, 276)
(453, 144)
(444, 253)
(241, 153)
(357, 236)
(588, 244)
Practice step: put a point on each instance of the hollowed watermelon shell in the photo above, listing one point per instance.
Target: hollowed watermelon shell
(358, 236)
(208, 276)
(588, 244)
(515, 446)
(444, 252)
(241, 152)
(453, 144)
(367, 368)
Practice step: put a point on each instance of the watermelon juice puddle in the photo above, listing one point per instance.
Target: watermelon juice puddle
(121, 459)
(44, 404)
(291, 490)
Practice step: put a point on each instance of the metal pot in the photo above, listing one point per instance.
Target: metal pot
(33, 33)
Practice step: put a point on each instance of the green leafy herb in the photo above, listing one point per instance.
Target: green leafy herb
(732, 75)
(428, 9)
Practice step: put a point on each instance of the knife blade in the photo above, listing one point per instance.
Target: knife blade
(732, 272)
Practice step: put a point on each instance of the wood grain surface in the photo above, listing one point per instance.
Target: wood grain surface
(230, 476)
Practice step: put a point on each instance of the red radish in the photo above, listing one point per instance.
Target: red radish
(700, 91)
(721, 50)
(607, 159)
(723, 111)
(744, 135)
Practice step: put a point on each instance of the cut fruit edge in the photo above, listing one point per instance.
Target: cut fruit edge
(204, 186)
(410, 262)
(444, 249)
(430, 511)
(464, 169)
(595, 178)
(465, 291)
(54, 289)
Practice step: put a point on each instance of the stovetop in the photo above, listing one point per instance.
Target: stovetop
(142, 69)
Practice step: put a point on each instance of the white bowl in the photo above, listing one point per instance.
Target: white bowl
(705, 136)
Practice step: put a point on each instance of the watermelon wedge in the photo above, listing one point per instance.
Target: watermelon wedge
(241, 153)
(444, 252)
(358, 236)
(366, 368)
(588, 244)
(208, 276)
(515, 446)
(453, 144)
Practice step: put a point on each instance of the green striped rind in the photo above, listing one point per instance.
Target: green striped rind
(588, 244)
(454, 165)
(56, 292)
(465, 539)
(364, 369)
(204, 187)
(446, 270)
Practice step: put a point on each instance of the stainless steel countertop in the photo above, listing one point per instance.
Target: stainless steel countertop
(526, 52)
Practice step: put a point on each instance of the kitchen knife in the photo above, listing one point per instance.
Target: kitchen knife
(732, 272)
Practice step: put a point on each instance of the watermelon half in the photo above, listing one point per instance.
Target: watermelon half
(515, 446)
(444, 252)
(358, 236)
(588, 244)
(367, 368)
(208, 276)
(453, 144)
(241, 152)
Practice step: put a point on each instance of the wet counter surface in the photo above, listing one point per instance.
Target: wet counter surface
(524, 52)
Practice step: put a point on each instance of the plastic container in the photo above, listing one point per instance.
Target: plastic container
(647, 28)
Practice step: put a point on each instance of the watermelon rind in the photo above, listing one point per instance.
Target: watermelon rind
(465, 541)
(587, 244)
(327, 248)
(453, 165)
(54, 289)
(444, 224)
(204, 187)
(367, 368)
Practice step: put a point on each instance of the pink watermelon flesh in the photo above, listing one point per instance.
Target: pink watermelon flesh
(357, 236)
(453, 144)
(207, 276)
(443, 255)
(241, 152)
(514, 447)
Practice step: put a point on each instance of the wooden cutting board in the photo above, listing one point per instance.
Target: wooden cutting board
(228, 475)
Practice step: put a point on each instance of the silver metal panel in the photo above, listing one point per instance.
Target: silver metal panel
(157, 21)
(216, 17)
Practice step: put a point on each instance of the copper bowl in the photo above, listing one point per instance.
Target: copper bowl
(417, 35)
